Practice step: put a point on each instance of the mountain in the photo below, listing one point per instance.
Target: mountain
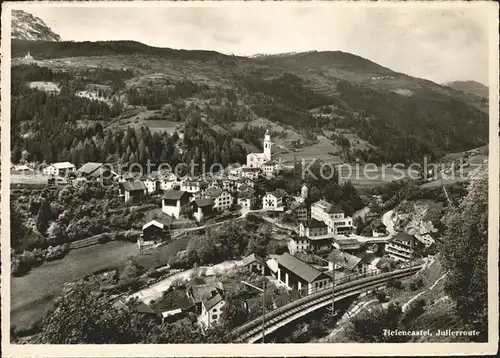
(313, 94)
(472, 87)
(28, 27)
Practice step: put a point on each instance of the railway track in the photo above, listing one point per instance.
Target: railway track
(252, 331)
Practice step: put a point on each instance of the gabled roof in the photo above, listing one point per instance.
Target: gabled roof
(279, 193)
(144, 308)
(344, 259)
(133, 186)
(63, 165)
(252, 258)
(153, 223)
(209, 304)
(214, 192)
(243, 187)
(328, 207)
(299, 267)
(204, 202)
(90, 167)
(313, 223)
(172, 194)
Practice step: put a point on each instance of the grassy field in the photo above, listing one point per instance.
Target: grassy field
(33, 294)
(155, 125)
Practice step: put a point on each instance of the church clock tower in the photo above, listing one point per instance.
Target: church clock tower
(267, 145)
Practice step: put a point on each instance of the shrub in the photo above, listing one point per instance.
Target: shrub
(415, 284)
(381, 296)
(414, 309)
(395, 283)
(104, 238)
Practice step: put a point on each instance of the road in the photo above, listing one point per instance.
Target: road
(155, 291)
(388, 221)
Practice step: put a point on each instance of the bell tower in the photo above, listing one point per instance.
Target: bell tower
(267, 145)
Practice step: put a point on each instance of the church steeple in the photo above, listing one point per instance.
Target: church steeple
(267, 145)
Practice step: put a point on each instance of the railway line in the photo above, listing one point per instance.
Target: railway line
(252, 331)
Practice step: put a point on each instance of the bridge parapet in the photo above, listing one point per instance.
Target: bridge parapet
(252, 331)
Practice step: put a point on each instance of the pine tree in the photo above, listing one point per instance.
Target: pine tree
(43, 217)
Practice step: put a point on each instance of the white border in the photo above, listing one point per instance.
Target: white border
(277, 350)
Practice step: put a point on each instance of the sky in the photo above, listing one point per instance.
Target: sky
(440, 43)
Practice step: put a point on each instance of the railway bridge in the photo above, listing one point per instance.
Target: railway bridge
(252, 331)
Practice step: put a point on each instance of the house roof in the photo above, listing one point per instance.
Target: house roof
(204, 202)
(403, 237)
(22, 167)
(313, 223)
(144, 308)
(63, 165)
(172, 194)
(299, 267)
(246, 194)
(203, 292)
(153, 223)
(243, 187)
(252, 258)
(250, 169)
(214, 192)
(279, 193)
(210, 303)
(329, 207)
(343, 259)
(90, 167)
(133, 185)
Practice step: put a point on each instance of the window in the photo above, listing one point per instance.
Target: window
(214, 310)
(214, 316)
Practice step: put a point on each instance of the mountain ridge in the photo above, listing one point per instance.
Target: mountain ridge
(472, 87)
(311, 92)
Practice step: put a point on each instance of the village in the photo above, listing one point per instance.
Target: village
(321, 244)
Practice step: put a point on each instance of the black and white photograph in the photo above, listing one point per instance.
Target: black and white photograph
(254, 176)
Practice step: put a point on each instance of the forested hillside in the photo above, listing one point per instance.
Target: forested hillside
(400, 117)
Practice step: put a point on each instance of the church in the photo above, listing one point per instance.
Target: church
(257, 160)
(264, 162)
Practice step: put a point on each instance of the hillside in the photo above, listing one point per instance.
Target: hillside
(472, 87)
(394, 117)
(28, 27)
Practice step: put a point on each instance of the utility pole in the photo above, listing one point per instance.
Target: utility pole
(333, 288)
(263, 290)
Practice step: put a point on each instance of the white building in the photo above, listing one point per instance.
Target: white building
(59, 169)
(222, 198)
(273, 201)
(271, 168)
(152, 185)
(193, 186)
(250, 173)
(169, 181)
(400, 247)
(256, 160)
(332, 216)
(173, 201)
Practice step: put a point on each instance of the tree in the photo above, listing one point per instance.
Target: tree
(465, 253)
(43, 217)
(85, 317)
